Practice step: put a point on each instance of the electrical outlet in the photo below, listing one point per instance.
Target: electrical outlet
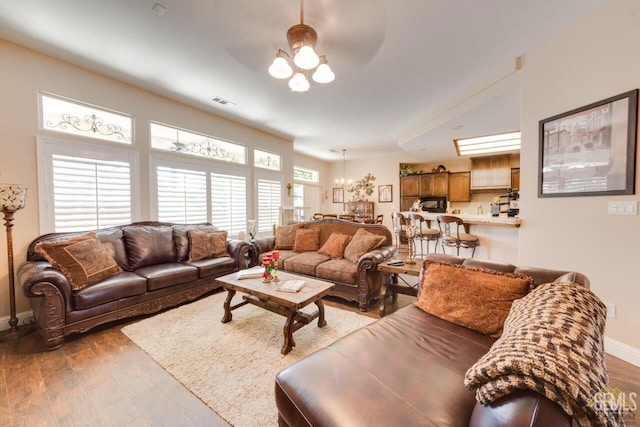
(611, 310)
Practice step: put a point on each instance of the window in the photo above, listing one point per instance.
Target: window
(265, 160)
(229, 202)
(83, 187)
(307, 175)
(77, 118)
(269, 202)
(170, 138)
(298, 202)
(182, 195)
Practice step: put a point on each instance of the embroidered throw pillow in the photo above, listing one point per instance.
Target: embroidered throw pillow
(475, 298)
(307, 240)
(335, 245)
(286, 236)
(83, 259)
(361, 243)
(207, 244)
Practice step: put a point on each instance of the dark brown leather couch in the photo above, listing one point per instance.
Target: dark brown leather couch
(156, 274)
(407, 369)
(359, 282)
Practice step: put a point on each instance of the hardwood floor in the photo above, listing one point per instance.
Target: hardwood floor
(102, 379)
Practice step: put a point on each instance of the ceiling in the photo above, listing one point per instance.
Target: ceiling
(408, 72)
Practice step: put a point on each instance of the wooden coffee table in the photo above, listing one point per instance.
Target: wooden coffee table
(286, 304)
(391, 286)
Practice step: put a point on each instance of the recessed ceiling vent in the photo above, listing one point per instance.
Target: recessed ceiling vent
(222, 101)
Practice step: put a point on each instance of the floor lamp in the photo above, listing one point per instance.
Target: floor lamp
(12, 198)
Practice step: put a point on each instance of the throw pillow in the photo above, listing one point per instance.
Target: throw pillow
(207, 244)
(475, 298)
(307, 240)
(286, 236)
(361, 243)
(83, 259)
(335, 245)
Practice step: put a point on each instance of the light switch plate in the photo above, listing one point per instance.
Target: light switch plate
(611, 310)
(623, 208)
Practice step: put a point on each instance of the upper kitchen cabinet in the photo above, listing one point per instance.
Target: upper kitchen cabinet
(515, 178)
(434, 184)
(459, 186)
(410, 185)
(490, 172)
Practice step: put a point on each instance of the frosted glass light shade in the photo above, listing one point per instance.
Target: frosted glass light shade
(12, 197)
(323, 74)
(306, 58)
(299, 83)
(280, 68)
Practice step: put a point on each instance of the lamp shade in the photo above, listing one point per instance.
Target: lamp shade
(306, 58)
(12, 197)
(280, 68)
(323, 74)
(299, 83)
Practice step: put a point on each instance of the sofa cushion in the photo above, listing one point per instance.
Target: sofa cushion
(307, 239)
(207, 244)
(149, 245)
(113, 241)
(286, 236)
(214, 266)
(361, 243)
(475, 298)
(335, 245)
(338, 270)
(83, 259)
(305, 263)
(164, 275)
(181, 238)
(125, 284)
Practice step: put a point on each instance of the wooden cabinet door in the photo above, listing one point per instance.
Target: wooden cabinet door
(515, 178)
(490, 172)
(500, 172)
(441, 184)
(426, 184)
(406, 203)
(410, 186)
(480, 172)
(460, 186)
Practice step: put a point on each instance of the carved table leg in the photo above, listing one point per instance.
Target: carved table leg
(227, 306)
(321, 321)
(288, 333)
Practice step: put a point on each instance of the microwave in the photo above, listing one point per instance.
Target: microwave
(435, 204)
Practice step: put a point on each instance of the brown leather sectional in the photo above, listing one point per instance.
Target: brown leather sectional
(359, 282)
(407, 369)
(155, 275)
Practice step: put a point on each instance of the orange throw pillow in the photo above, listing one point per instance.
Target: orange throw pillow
(335, 245)
(361, 243)
(307, 240)
(475, 298)
(286, 236)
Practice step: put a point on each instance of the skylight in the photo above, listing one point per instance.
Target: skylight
(488, 144)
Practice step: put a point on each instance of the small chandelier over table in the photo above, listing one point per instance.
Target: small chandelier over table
(302, 40)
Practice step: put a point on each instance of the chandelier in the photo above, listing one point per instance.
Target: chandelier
(302, 40)
(344, 182)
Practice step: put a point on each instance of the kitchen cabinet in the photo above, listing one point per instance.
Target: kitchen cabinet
(515, 178)
(410, 186)
(459, 186)
(363, 210)
(434, 184)
(490, 172)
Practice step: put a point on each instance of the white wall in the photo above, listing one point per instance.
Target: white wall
(593, 60)
(23, 72)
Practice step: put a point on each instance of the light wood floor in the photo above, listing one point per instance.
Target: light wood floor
(102, 379)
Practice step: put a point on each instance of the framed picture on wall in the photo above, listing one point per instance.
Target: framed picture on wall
(385, 193)
(338, 195)
(591, 150)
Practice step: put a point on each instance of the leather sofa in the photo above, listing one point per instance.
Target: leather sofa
(156, 274)
(359, 282)
(407, 369)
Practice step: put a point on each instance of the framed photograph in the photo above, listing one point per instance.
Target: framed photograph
(385, 193)
(590, 151)
(338, 195)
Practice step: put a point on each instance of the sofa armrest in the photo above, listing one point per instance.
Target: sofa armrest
(239, 251)
(368, 278)
(263, 245)
(31, 273)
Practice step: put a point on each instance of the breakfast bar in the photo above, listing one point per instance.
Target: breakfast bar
(498, 235)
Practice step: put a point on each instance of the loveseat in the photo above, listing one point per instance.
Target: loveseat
(132, 269)
(408, 369)
(356, 279)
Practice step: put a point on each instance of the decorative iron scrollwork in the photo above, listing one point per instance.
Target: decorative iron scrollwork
(268, 162)
(205, 148)
(90, 123)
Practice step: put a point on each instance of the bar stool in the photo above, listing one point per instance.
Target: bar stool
(397, 219)
(453, 237)
(425, 233)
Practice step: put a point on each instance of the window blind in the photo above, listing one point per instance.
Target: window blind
(182, 195)
(229, 202)
(90, 194)
(269, 202)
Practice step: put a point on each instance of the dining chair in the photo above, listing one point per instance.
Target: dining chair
(347, 217)
(451, 236)
(317, 215)
(379, 219)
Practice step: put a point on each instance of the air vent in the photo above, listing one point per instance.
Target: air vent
(222, 101)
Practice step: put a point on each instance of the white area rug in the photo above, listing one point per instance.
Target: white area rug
(232, 367)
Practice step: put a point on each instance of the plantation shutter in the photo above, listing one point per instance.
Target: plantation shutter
(269, 202)
(89, 194)
(182, 195)
(229, 202)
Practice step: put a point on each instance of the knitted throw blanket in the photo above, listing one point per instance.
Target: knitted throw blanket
(553, 344)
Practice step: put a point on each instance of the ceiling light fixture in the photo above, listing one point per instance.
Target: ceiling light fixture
(488, 144)
(344, 181)
(302, 40)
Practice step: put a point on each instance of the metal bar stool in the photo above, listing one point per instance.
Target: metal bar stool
(425, 232)
(398, 220)
(451, 236)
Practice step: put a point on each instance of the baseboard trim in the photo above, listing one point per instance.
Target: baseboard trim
(24, 317)
(622, 351)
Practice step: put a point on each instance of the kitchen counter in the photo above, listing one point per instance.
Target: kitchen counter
(487, 219)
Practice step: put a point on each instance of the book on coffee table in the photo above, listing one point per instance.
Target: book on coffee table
(251, 273)
(291, 285)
